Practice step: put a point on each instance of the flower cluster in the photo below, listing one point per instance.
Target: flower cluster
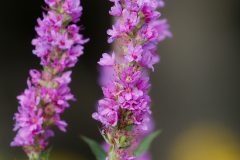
(138, 139)
(126, 103)
(58, 44)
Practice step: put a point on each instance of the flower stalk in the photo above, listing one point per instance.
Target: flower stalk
(125, 109)
(58, 45)
(112, 155)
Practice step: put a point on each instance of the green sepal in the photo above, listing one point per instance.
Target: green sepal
(45, 154)
(145, 144)
(129, 127)
(96, 148)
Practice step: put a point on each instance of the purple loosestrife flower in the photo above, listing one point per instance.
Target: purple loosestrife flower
(125, 108)
(58, 44)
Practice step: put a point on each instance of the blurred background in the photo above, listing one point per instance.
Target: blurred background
(195, 88)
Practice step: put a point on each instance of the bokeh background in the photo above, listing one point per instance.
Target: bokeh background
(195, 88)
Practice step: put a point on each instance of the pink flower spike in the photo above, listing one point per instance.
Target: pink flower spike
(58, 45)
(125, 80)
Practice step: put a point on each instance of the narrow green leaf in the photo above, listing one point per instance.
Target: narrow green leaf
(45, 154)
(145, 144)
(97, 150)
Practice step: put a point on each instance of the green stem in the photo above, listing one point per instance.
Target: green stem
(34, 156)
(112, 155)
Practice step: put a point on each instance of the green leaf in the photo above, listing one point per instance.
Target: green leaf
(45, 154)
(97, 150)
(145, 144)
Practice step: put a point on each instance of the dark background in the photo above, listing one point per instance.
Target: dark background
(195, 88)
